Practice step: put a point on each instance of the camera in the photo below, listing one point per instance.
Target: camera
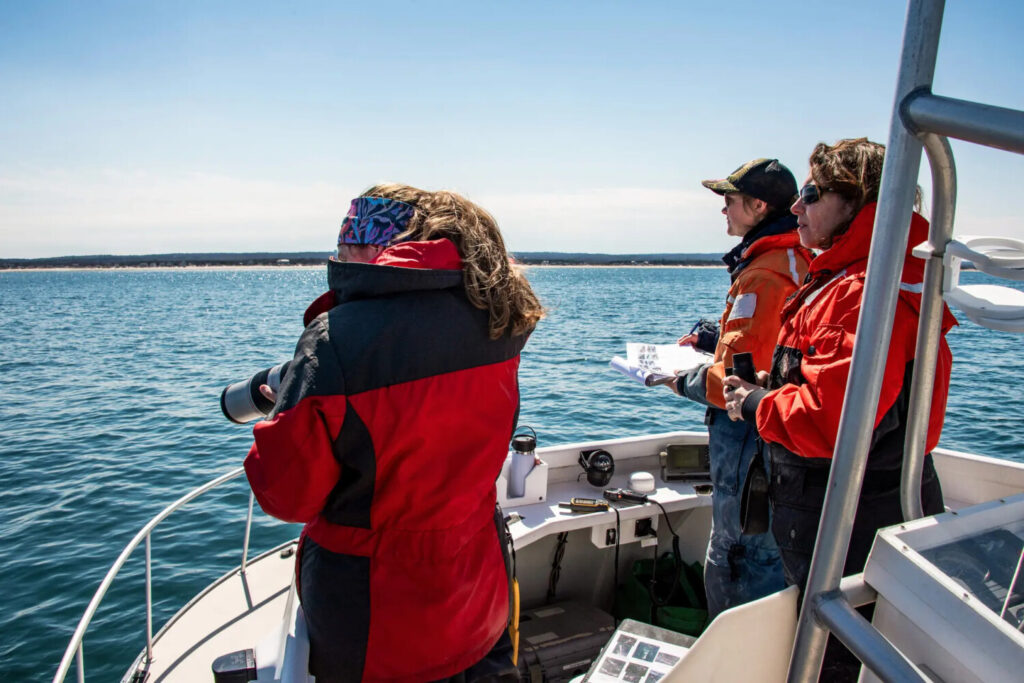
(242, 401)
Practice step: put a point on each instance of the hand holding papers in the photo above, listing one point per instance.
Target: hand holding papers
(653, 364)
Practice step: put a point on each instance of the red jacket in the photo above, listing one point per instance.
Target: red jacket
(389, 432)
(815, 347)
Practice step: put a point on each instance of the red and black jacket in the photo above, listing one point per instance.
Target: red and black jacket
(389, 432)
(811, 364)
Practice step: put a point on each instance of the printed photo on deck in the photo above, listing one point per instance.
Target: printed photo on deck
(624, 645)
(634, 673)
(646, 652)
(666, 659)
(612, 666)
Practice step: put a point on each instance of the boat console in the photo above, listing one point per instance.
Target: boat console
(541, 512)
(951, 591)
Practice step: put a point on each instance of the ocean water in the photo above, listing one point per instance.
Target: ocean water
(110, 412)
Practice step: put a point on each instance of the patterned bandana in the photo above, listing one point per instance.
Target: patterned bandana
(374, 220)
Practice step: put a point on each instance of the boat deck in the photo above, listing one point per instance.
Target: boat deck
(249, 610)
(224, 618)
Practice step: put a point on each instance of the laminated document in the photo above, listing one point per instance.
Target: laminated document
(653, 364)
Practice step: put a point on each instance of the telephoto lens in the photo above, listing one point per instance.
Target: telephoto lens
(242, 401)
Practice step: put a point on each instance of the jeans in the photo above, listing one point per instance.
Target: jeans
(739, 567)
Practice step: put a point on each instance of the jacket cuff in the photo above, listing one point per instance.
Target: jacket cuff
(693, 384)
(750, 403)
(707, 335)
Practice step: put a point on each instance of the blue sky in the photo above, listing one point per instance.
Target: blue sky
(133, 128)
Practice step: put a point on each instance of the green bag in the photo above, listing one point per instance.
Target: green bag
(686, 609)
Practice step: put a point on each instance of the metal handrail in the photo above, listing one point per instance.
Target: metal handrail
(75, 649)
(874, 330)
(918, 118)
(982, 124)
(867, 644)
(929, 326)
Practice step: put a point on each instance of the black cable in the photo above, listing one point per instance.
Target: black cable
(556, 565)
(665, 515)
(675, 537)
(678, 560)
(615, 586)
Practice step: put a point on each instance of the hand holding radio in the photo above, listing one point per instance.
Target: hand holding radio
(743, 367)
(740, 379)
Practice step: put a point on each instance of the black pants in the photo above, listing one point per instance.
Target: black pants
(495, 667)
(797, 492)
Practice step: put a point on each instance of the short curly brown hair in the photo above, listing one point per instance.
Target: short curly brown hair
(852, 168)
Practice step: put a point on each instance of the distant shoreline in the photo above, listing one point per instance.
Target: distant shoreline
(198, 266)
(301, 266)
(309, 259)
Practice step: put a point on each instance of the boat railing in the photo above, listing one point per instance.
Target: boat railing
(75, 646)
(920, 119)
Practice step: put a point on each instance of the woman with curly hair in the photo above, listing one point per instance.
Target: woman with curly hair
(797, 412)
(404, 384)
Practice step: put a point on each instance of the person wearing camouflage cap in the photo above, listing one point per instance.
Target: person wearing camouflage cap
(798, 411)
(765, 268)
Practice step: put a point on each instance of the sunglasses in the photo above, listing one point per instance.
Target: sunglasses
(811, 193)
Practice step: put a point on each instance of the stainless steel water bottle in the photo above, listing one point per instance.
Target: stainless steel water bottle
(523, 460)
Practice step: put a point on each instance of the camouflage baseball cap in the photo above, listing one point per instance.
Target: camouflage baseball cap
(764, 179)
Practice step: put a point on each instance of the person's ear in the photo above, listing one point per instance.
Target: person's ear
(851, 209)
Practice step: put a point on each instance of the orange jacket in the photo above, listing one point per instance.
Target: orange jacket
(777, 265)
(801, 411)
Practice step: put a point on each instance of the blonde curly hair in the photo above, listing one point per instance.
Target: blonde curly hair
(492, 283)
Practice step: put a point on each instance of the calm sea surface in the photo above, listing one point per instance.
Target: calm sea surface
(111, 381)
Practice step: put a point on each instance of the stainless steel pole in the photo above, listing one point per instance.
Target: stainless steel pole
(877, 653)
(929, 328)
(149, 601)
(983, 124)
(874, 327)
(248, 528)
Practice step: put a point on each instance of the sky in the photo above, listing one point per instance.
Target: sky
(142, 128)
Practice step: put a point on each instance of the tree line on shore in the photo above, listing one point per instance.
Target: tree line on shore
(310, 258)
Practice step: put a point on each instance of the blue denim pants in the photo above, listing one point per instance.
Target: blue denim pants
(739, 567)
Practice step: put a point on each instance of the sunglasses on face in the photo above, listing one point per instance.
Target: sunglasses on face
(811, 193)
